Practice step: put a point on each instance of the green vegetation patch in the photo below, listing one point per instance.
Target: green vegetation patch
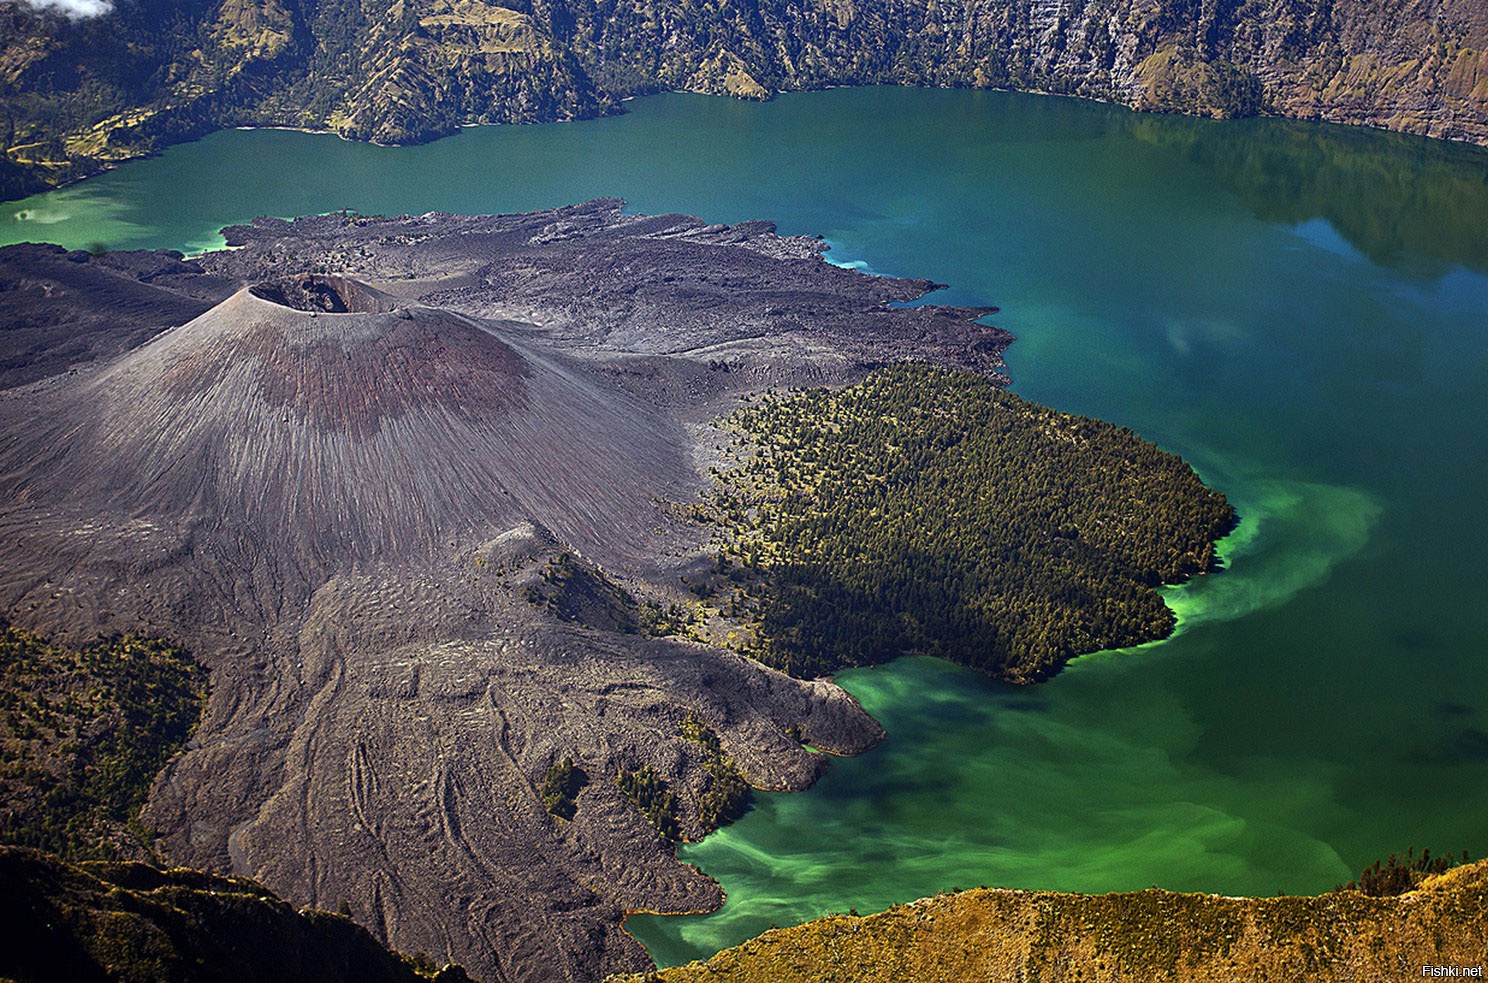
(727, 795)
(927, 511)
(561, 787)
(651, 794)
(83, 733)
(1397, 875)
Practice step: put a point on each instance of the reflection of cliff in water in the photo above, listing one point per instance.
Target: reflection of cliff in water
(1402, 201)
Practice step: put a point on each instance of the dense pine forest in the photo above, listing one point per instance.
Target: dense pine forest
(927, 511)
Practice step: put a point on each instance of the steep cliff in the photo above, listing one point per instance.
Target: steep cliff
(81, 93)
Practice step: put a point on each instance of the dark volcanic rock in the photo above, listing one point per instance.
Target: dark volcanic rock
(682, 312)
(63, 308)
(336, 490)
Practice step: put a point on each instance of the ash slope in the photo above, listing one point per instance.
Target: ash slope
(336, 494)
(64, 307)
(384, 431)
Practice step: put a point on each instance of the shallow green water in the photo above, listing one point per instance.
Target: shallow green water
(1301, 311)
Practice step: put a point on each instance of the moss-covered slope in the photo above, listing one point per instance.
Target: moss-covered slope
(1151, 936)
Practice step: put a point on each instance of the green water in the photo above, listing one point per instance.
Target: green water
(1301, 311)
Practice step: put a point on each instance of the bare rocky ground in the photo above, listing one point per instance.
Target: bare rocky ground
(328, 461)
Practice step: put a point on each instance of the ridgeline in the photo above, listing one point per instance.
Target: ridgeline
(122, 921)
(85, 92)
(1150, 935)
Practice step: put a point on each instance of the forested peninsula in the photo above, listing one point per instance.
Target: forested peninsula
(83, 92)
(930, 512)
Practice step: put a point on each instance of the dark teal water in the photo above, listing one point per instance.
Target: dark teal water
(1301, 311)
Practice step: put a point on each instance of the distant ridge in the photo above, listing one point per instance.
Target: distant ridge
(84, 93)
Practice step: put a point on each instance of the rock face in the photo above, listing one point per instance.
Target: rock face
(83, 93)
(337, 490)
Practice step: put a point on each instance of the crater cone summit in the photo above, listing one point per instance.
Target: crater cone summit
(320, 416)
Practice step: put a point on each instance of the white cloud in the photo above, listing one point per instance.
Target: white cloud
(75, 9)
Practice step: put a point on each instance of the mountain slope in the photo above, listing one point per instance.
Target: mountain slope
(1151, 935)
(80, 94)
(374, 430)
(129, 921)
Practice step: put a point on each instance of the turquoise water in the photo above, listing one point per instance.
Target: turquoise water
(1301, 311)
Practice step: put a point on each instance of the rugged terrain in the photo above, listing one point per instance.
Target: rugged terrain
(96, 922)
(82, 92)
(1151, 935)
(83, 733)
(337, 465)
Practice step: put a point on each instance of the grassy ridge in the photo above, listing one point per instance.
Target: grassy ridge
(1149, 935)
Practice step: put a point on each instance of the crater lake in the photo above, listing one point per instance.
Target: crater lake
(1299, 310)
